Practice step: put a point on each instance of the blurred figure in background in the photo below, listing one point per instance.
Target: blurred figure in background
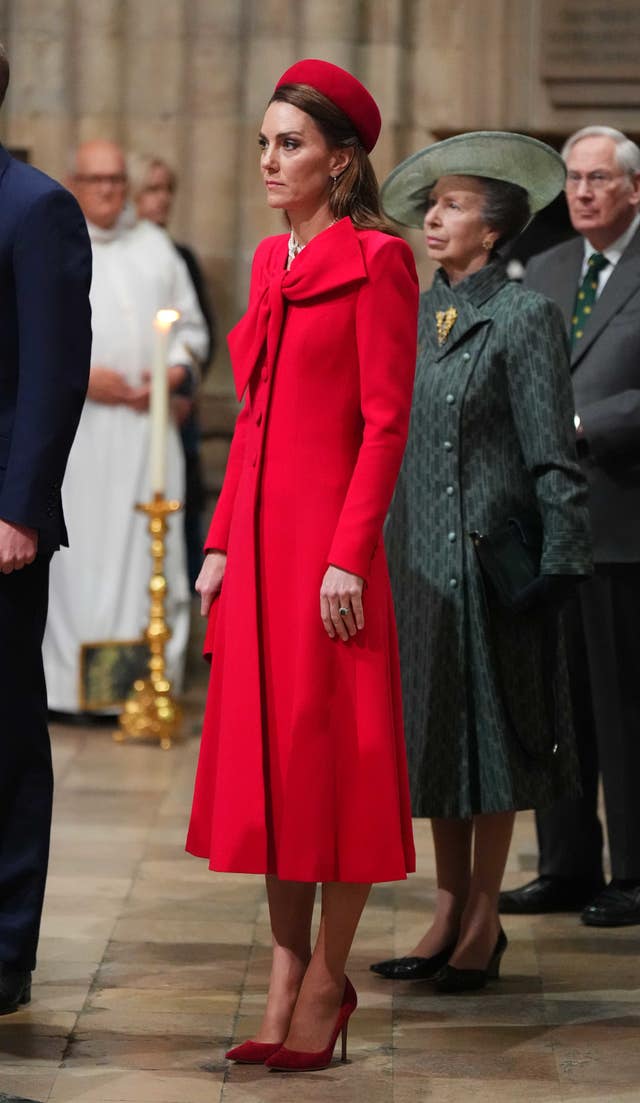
(153, 186)
(99, 593)
(595, 279)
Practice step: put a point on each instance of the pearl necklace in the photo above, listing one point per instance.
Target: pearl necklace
(294, 248)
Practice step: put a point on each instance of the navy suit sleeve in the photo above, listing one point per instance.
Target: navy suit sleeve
(52, 275)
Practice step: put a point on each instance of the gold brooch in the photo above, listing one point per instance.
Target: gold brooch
(444, 323)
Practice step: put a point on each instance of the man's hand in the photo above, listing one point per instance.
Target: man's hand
(109, 387)
(18, 546)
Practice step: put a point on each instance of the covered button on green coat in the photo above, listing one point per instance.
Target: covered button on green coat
(491, 433)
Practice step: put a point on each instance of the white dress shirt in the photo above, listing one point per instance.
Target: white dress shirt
(613, 253)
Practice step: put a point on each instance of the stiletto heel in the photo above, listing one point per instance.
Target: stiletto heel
(451, 979)
(291, 1060)
(344, 1041)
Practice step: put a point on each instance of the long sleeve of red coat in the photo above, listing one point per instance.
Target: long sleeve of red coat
(218, 535)
(386, 327)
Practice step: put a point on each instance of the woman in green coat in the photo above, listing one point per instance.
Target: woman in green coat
(487, 712)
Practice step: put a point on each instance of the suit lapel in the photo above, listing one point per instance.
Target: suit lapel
(566, 279)
(621, 285)
(4, 160)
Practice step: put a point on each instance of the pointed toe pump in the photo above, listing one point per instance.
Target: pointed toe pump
(253, 1053)
(451, 979)
(291, 1060)
(413, 968)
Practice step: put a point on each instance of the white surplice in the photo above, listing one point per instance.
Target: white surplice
(99, 585)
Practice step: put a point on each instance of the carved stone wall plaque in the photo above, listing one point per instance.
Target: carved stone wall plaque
(591, 40)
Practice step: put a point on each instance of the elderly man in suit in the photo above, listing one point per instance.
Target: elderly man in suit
(595, 279)
(45, 342)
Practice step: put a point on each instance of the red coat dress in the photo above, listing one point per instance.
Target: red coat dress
(302, 769)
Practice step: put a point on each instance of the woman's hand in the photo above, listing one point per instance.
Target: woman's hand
(209, 580)
(341, 590)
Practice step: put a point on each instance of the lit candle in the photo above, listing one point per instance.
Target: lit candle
(159, 404)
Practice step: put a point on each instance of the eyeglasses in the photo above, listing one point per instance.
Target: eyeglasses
(595, 181)
(98, 180)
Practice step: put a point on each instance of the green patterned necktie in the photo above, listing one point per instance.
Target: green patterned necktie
(586, 297)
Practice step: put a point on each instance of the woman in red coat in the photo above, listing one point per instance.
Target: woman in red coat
(302, 773)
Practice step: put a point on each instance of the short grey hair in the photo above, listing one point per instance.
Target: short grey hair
(139, 165)
(627, 152)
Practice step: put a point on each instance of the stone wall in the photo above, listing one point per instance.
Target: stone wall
(188, 79)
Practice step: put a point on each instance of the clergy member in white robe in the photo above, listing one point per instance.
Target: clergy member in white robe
(99, 586)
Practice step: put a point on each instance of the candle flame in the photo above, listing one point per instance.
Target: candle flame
(166, 318)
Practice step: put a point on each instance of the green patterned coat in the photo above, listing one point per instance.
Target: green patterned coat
(491, 430)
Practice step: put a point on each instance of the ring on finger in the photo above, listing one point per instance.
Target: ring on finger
(343, 611)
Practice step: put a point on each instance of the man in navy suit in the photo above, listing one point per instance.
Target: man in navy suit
(45, 344)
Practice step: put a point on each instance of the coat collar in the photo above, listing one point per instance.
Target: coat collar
(332, 261)
(468, 298)
(622, 283)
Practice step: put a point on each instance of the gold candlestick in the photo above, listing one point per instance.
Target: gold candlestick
(150, 711)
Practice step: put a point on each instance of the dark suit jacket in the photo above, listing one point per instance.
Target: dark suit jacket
(605, 365)
(45, 343)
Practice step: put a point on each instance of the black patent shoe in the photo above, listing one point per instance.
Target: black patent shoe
(544, 895)
(413, 968)
(618, 905)
(451, 979)
(15, 989)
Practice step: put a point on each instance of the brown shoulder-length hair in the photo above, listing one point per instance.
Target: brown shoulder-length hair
(355, 193)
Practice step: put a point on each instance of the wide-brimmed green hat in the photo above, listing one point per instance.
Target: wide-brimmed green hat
(499, 154)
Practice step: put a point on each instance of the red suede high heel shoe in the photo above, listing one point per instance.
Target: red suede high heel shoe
(291, 1060)
(253, 1053)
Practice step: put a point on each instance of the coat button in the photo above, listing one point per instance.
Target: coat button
(259, 419)
(448, 446)
(466, 357)
(453, 583)
(450, 491)
(450, 400)
(451, 537)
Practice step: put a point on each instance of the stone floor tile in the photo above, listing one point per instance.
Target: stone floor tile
(503, 1053)
(89, 950)
(593, 1052)
(32, 1084)
(149, 1050)
(182, 930)
(149, 963)
(119, 1086)
(145, 1003)
(361, 1078)
(34, 1039)
(77, 927)
(466, 1090)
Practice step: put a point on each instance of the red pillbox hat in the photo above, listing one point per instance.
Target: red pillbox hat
(344, 90)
